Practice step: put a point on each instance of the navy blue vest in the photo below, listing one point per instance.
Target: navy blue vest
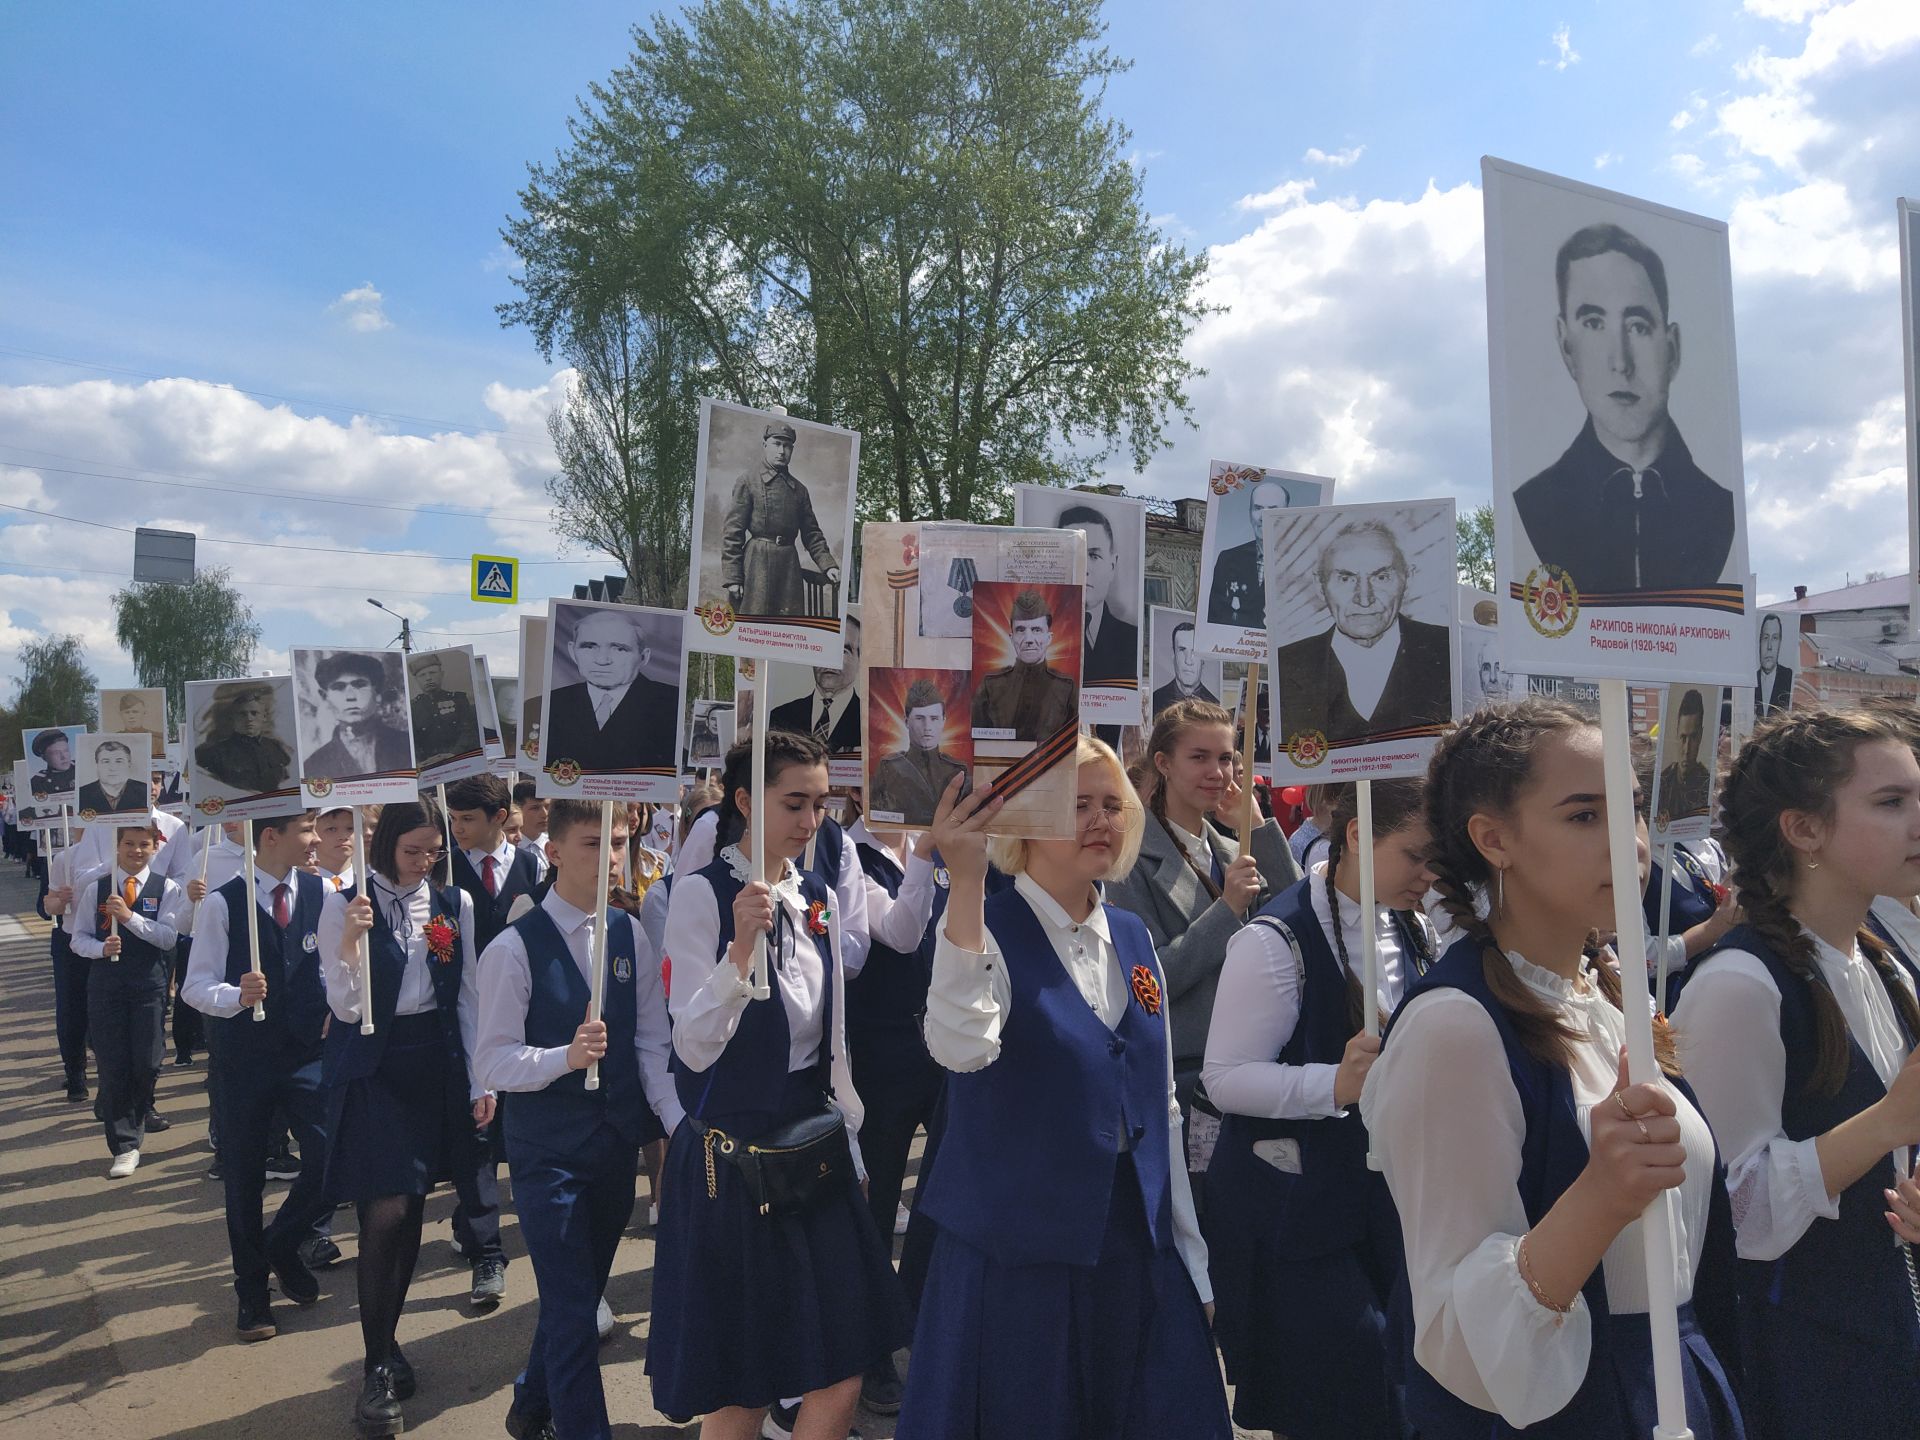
(748, 1090)
(352, 1056)
(1032, 1141)
(490, 911)
(289, 958)
(890, 992)
(560, 1118)
(1689, 907)
(138, 961)
(1326, 1205)
(1844, 1274)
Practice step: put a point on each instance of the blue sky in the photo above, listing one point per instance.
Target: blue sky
(304, 203)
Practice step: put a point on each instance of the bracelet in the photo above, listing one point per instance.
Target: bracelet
(1526, 1274)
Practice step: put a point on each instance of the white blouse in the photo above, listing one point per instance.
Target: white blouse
(971, 997)
(1443, 1113)
(1728, 1021)
(1258, 1005)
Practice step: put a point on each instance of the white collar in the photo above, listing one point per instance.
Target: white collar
(502, 855)
(1053, 915)
(140, 880)
(338, 880)
(1555, 988)
(1371, 661)
(787, 887)
(263, 883)
(382, 883)
(859, 834)
(566, 916)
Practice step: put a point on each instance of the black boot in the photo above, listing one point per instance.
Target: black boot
(378, 1409)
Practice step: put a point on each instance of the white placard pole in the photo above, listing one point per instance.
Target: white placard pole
(1666, 925)
(247, 864)
(597, 976)
(1630, 938)
(1369, 928)
(1249, 728)
(757, 822)
(364, 884)
(66, 827)
(206, 853)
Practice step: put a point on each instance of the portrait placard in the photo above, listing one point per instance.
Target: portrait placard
(444, 715)
(1484, 679)
(487, 700)
(1617, 483)
(1910, 347)
(1115, 528)
(50, 752)
(114, 771)
(919, 738)
(1181, 671)
(610, 714)
(1686, 763)
(1361, 633)
(1232, 595)
(824, 701)
(772, 532)
(533, 686)
(242, 749)
(706, 745)
(145, 710)
(1777, 662)
(350, 715)
(34, 814)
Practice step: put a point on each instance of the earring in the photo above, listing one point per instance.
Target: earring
(1500, 887)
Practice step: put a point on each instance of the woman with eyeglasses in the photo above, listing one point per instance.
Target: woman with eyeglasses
(1068, 1290)
(402, 1105)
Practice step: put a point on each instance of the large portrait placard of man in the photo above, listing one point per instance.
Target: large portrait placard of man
(920, 739)
(351, 717)
(611, 712)
(1115, 527)
(1180, 671)
(444, 714)
(242, 750)
(1241, 502)
(1618, 494)
(1362, 639)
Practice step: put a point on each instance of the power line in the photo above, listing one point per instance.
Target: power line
(241, 584)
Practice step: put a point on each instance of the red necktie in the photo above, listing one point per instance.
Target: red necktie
(487, 868)
(281, 913)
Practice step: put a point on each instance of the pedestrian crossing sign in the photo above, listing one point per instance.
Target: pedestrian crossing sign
(496, 579)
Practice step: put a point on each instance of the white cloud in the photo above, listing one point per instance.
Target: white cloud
(1334, 159)
(363, 308)
(1282, 197)
(1791, 12)
(1606, 158)
(1564, 54)
(1704, 46)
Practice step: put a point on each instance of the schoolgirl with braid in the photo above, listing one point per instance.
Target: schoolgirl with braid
(1518, 1156)
(1799, 1035)
(1305, 1243)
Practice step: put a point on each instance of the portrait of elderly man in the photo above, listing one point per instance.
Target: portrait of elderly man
(614, 717)
(1187, 664)
(831, 713)
(1773, 682)
(1239, 593)
(1625, 508)
(910, 784)
(1684, 782)
(1029, 697)
(352, 688)
(115, 789)
(769, 511)
(1374, 670)
(1111, 652)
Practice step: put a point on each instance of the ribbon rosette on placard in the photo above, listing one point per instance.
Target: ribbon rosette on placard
(441, 933)
(1146, 989)
(817, 917)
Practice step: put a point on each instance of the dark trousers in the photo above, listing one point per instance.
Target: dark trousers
(572, 1211)
(70, 972)
(476, 1219)
(899, 1086)
(124, 1004)
(189, 1025)
(251, 1081)
(916, 1251)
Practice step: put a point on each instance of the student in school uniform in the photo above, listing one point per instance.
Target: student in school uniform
(1068, 1291)
(533, 823)
(1700, 912)
(1303, 1238)
(750, 1306)
(572, 1150)
(1519, 1158)
(1799, 1034)
(266, 1067)
(70, 972)
(402, 1103)
(125, 923)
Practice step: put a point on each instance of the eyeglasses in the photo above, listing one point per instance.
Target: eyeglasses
(432, 857)
(1113, 812)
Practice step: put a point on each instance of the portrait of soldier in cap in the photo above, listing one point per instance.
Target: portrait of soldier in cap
(769, 515)
(1028, 698)
(54, 750)
(909, 784)
(353, 689)
(445, 723)
(237, 744)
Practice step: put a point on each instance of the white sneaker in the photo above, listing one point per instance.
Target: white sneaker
(603, 1318)
(124, 1164)
(900, 1218)
(653, 1216)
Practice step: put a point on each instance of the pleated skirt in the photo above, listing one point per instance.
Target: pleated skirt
(400, 1130)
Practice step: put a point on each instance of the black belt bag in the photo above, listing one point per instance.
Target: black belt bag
(789, 1169)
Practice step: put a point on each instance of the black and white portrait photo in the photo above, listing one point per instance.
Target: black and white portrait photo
(1483, 678)
(33, 813)
(1241, 500)
(125, 711)
(1180, 671)
(824, 701)
(445, 715)
(612, 710)
(1115, 528)
(50, 758)
(1618, 487)
(772, 532)
(114, 774)
(242, 749)
(1773, 676)
(533, 686)
(1689, 738)
(487, 701)
(351, 719)
(710, 734)
(1362, 639)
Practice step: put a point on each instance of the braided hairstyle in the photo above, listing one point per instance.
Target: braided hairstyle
(1168, 726)
(1481, 767)
(784, 749)
(1794, 762)
(1396, 804)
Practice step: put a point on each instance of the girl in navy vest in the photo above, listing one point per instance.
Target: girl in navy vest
(1799, 1035)
(751, 1307)
(401, 1103)
(1700, 911)
(1519, 1158)
(1068, 1289)
(1304, 1239)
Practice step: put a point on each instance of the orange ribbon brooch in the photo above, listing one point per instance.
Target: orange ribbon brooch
(817, 914)
(1146, 989)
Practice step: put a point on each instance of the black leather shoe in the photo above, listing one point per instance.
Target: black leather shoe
(881, 1390)
(378, 1409)
(296, 1280)
(403, 1384)
(156, 1123)
(256, 1321)
(525, 1425)
(318, 1252)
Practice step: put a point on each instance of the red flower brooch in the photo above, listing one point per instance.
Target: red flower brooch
(1146, 989)
(1720, 892)
(441, 933)
(817, 916)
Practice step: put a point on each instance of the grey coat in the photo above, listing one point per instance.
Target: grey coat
(1190, 929)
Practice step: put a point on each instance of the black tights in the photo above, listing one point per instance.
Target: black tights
(389, 1246)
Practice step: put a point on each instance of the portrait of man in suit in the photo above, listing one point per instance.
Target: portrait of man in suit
(614, 717)
(1686, 781)
(353, 687)
(909, 784)
(1773, 682)
(1028, 698)
(1186, 683)
(831, 713)
(115, 789)
(1111, 651)
(1374, 670)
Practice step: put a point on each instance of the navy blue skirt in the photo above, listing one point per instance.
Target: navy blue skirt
(1808, 1381)
(1713, 1411)
(1113, 1351)
(400, 1130)
(750, 1308)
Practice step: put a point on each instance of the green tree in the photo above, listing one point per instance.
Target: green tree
(175, 633)
(54, 686)
(1475, 529)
